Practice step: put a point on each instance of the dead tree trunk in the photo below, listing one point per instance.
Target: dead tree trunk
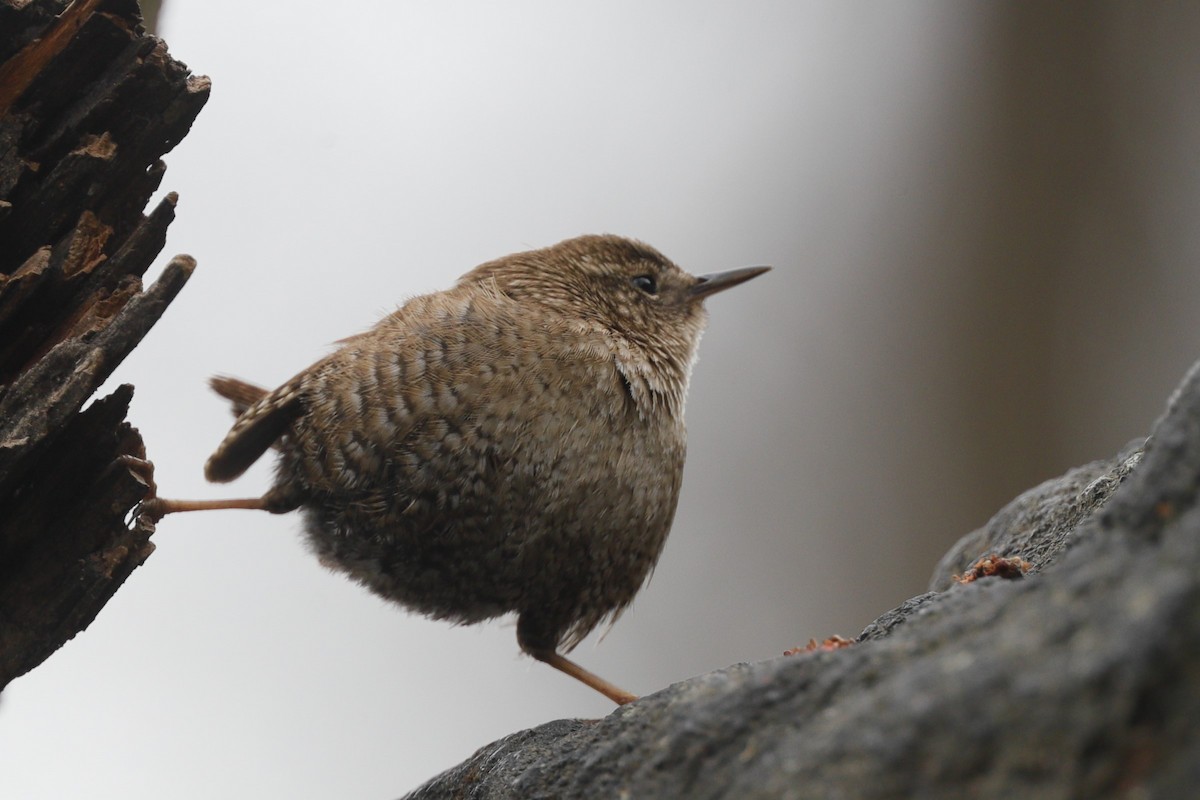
(89, 102)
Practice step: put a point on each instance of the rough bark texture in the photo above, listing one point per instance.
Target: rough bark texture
(88, 104)
(1080, 679)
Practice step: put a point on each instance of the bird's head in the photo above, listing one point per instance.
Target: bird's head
(652, 309)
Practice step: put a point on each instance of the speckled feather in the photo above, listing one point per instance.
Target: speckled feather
(512, 444)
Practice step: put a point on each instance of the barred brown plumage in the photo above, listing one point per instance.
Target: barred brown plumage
(512, 444)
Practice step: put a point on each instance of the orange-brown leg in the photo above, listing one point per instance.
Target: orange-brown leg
(566, 665)
(157, 507)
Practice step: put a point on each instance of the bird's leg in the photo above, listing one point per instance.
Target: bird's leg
(566, 665)
(276, 501)
(157, 507)
(539, 636)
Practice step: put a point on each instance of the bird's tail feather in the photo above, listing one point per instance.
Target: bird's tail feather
(262, 417)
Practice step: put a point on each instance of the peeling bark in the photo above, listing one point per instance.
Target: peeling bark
(89, 102)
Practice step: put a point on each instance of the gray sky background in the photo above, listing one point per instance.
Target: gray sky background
(982, 222)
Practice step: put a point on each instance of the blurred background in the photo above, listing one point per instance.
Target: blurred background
(983, 222)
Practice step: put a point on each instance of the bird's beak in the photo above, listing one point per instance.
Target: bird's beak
(720, 281)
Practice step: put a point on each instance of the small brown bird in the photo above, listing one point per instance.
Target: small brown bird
(512, 444)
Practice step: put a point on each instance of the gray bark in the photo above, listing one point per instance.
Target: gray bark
(1079, 679)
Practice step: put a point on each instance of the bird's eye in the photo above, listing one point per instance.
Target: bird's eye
(645, 283)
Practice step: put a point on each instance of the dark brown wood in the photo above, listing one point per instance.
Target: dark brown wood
(89, 102)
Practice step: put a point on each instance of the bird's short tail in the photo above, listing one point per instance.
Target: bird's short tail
(262, 417)
(240, 394)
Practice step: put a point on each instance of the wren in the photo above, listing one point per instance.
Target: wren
(512, 444)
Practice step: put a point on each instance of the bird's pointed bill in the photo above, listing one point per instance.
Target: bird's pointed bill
(720, 281)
